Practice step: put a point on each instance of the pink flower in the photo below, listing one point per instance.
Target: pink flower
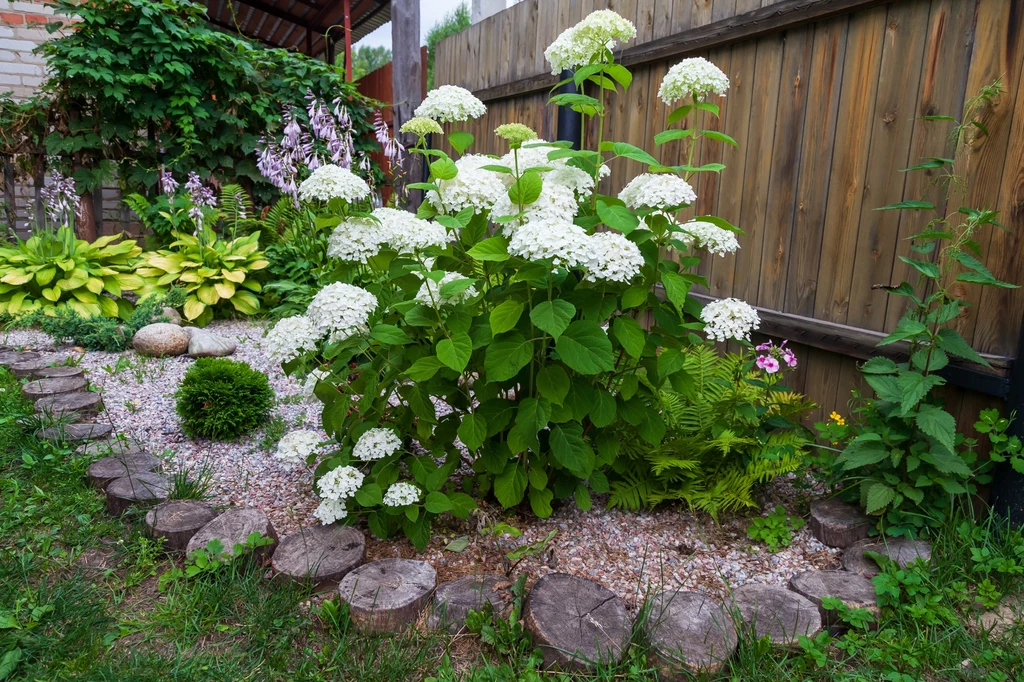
(789, 357)
(768, 364)
(767, 345)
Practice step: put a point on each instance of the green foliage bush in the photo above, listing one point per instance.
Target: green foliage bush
(223, 399)
(732, 428)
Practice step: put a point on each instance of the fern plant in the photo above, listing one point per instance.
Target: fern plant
(733, 429)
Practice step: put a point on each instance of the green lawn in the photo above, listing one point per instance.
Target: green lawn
(59, 621)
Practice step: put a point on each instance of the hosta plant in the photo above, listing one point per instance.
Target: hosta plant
(901, 456)
(516, 325)
(53, 269)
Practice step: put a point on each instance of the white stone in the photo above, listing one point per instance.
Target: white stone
(24, 69)
(16, 45)
(31, 8)
(7, 56)
(33, 81)
(9, 80)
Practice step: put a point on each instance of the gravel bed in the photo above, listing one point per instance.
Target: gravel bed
(628, 552)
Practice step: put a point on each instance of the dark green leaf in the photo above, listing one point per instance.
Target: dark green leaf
(553, 383)
(586, 348)
(630, 334)
(572, 452)
(460, 141)
(505, 316)
(456, 351)
(437, 503)
(473, 431)
(491, 249)
(553, 316)
(506, 355)
(914, 205)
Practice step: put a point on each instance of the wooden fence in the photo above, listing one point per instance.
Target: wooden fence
(825, 103)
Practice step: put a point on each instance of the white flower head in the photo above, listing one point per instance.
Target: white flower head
(691, 77)
(450, 103)
(401, 494)
(587, 41)
(430, 291)
(296, 446)
(341, 483)
(561, 242)
(657, 190)
(408, 234)
(330, 511)
(556, 203)
(612, 257)
(341, 310)
(376, 444)
(308, 385)
(534, 155)
(290, 338)
(333, 182)
(473, 187)
(729, 318)
(709, 236)
(356, 240)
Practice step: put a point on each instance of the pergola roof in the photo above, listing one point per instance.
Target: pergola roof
(300, 24)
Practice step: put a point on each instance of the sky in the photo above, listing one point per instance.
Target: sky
(431, 12)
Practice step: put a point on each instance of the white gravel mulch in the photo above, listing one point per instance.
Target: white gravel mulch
(628, 552)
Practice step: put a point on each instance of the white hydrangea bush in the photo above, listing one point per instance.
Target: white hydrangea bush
(523, 321)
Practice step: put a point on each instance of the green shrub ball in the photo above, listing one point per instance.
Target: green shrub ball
(222, 399)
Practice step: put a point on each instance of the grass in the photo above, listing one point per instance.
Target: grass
(61, 621)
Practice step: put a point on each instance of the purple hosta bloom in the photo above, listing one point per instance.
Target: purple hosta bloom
(59, 198)
(168, 185)
(774, 356)
(200, 195)
(393, 149)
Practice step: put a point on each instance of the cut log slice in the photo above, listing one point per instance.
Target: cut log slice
(904, 552)
(233, 527)
(454, 600)
(13, 357)
(690, 633)
(576, 622)
(43, 388)
(75, 406)
(776, 613)
(143, 488)
(74, 433)
(177, 521)
(103, 471)
(320, 555)
(387, 595)
(24, 369)
(61, 372)
(856, 591)
(838, 524)
(109, 446)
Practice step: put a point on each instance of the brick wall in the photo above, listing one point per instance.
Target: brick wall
(22, 28)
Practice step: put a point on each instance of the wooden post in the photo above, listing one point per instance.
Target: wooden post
(309, 42)
(10, 209)
(1007, 492)
(406, 87)
(348, 40)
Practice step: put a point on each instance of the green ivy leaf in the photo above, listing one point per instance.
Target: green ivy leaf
(553, 383)
(585, 348)
(506, 356)
(473, 431)
(630, 334)
(553, 316)
(456, 351)
(504, 316)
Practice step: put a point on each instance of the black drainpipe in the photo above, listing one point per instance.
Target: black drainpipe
(570, 123)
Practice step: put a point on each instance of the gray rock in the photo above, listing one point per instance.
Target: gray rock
(205, 345)
(192, 330)
(172, 315)
(160, 340)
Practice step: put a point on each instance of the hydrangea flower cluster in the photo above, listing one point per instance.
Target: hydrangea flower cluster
(692, 77)
(341, 310)
(473, 187)
(401, 494)
(657, 190)
(421, 127)
(376, 444)
(289, 338)
(515, 134)
(296, 446)
(450, 103)
(355, 240)
(586, 42)
(430, 291)
(710, 236)
(340, 483)
(406, 233)
(330, 511)
(333, 182)
(772, 357)
(308, 385)
(612, 257)
(562, 242)
(729, 318)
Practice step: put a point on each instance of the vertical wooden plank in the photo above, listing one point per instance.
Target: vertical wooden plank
(723, 9)
(645, 18)
(950, 31)
(767, 78)
(709, 184)
(702, 10)
(849, 161)
(662, 24)
(819, 134)
(823, 370)
(789, 119)
(893, 126)
(682, 15)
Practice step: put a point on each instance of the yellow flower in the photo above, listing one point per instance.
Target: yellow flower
(837, 418)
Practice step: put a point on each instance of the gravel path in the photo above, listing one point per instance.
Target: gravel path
(627, 552)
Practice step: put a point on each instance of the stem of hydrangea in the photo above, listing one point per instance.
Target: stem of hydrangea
(693, 140)
(600, 156)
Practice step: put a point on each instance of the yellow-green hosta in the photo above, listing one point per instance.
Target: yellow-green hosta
(212, 271)
(53, 270)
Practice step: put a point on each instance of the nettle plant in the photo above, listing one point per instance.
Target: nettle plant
(523, 323)
(902, 451)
